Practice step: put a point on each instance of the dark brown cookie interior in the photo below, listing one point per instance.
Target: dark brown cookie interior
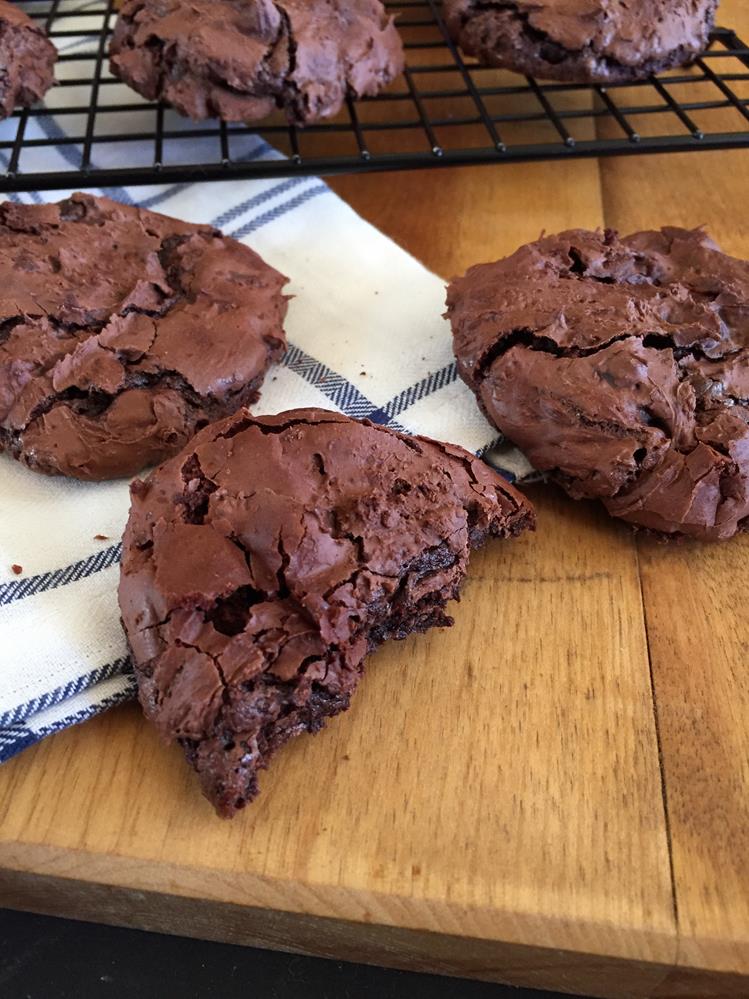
(262, 564)
(621, 367)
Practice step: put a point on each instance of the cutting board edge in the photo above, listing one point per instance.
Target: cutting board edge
(360, 906)
(407, 948)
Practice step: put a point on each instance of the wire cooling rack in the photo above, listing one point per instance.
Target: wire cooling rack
(445, 110)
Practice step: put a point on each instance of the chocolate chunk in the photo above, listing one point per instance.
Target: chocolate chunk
(263, 564)
(621, 368)
(584, 41)
(122, 332)
(238, 61)
(27, 60)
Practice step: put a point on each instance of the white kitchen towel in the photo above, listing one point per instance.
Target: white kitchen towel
(366, 336)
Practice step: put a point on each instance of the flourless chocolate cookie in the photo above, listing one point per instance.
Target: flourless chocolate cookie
(240, 59)
(27, 60)
(264, 562)
(122, 332)
(584, 41)
(621, 368)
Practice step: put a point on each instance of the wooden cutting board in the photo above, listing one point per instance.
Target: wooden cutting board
(553, 793)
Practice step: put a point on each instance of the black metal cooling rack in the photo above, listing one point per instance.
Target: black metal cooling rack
(445, 110)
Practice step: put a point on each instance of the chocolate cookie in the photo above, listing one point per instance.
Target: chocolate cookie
(240, 59)
(122, 332)
(584, 41)
(262, 564)
(27, 60)
(621, 368)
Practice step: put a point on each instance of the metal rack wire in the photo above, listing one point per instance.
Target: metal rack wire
(445, 110)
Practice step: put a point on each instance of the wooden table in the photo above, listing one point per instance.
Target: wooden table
(554, 793)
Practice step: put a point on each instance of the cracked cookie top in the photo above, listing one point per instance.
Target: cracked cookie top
(621, 367)
(597, 41)
(122, 332)
(27, 59)
(239, 60)
(265, 561)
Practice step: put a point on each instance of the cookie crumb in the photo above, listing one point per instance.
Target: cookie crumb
(18, 569)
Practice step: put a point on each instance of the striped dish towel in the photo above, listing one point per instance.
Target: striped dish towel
(365, 337)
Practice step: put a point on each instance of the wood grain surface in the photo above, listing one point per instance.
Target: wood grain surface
(700, 676)
(554, 792)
